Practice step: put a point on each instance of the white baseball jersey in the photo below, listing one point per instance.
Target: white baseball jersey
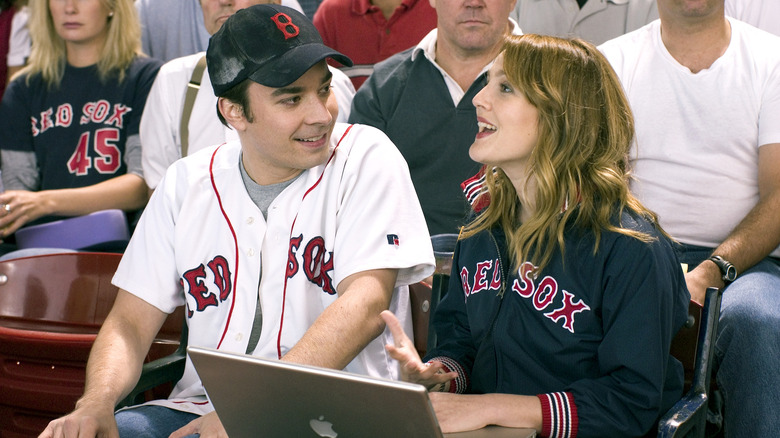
(203, 242)
(160, 133)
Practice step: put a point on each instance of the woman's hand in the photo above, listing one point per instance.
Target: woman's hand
(18, 207)
(412, 368)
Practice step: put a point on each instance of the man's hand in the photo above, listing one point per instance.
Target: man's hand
(208, 426)
(707, 274)
(86, 421)
(412, 368)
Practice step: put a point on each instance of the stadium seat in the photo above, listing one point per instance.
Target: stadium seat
(101, 229)
(694, 346)
(420, 300)
(51, 308)
(425, 295)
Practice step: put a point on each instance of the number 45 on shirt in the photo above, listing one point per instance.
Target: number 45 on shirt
(107, 159)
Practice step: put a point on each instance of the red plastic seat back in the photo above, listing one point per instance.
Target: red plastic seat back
(71, 290)
(51, 308)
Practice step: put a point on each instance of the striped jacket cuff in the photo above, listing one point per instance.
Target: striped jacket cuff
(461, 383)
(559, 415)
(476, 192)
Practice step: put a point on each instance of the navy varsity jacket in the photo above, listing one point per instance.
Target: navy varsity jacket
(589, 335)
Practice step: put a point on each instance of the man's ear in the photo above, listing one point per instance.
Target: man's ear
(233, 113)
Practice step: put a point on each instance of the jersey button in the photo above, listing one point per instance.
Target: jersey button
(250, 220)
(250, 252)
(238, 337)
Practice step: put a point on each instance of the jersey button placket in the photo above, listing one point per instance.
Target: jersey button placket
(249, 221)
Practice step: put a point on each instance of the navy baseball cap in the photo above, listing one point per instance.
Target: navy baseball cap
(272, 45)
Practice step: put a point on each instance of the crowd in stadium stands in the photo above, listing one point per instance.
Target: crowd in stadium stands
(666, 156)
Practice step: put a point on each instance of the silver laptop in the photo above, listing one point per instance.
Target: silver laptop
(257, 397)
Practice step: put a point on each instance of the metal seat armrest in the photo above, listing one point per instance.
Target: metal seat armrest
(688, 417)
(688, 414)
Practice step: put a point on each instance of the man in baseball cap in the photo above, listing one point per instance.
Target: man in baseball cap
(290, 45)
(179, 117)
(284, 244)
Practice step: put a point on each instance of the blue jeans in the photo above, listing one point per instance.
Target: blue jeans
(747, 347)
(151, 421)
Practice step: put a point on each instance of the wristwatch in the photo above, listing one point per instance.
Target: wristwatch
(727, 269)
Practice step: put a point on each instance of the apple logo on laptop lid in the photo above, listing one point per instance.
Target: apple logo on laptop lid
(323, 428)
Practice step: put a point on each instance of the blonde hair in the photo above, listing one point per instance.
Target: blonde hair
(585, 131)
(48, 54)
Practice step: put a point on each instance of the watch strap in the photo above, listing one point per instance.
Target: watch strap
(727, 270)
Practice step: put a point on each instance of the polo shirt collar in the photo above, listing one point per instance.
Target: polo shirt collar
(428, 44)
(363, 7)
(617, 2)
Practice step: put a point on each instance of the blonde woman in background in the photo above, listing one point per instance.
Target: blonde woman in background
(69, 120)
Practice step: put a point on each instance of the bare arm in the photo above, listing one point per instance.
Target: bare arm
(349, 324)
(755, 237)
(126, 192)
(507, 410)
(113, 368)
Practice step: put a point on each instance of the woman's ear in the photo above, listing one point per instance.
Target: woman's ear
(233, 113)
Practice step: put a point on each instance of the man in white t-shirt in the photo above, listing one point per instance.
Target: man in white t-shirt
(284, 244)
(161, 135)
(705, 91)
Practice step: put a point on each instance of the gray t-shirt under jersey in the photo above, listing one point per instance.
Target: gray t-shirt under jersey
(262, 196)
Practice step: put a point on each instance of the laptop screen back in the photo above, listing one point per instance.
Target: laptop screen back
(256, 397)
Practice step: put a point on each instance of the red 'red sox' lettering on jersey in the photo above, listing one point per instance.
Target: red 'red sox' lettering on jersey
(481, 276)
(97, 148)
(543, 295)
(316, 260)
(193, 281)
(100, 111)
